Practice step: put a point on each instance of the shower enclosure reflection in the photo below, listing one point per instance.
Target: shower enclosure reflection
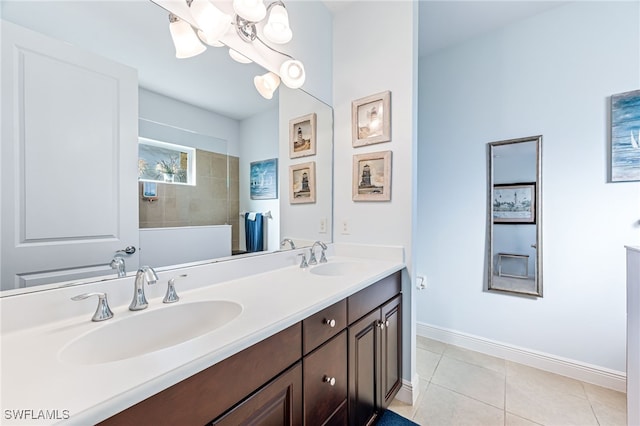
(514, 216)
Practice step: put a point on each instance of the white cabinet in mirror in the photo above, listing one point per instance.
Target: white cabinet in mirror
(100, 95)
(514, 216)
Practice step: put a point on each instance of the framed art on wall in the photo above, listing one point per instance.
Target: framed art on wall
(514, 203)
(302, 136)
(372, 176)
(302, 183)
(625, 137)
(264, 179)
(371, 119)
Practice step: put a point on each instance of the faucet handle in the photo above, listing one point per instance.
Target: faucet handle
(312, 257)
(303, 262)
(103, 312)
(323, 257)
(171, 295)
(118, 264)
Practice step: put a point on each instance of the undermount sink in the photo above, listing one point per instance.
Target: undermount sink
(336, 268)
(146, 332)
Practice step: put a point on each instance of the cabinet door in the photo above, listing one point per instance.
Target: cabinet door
(277, 404)
(364, 360)
(391, 346)
(325, 380)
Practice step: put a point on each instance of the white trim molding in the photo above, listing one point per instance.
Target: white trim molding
(589, 373)
(409, 391)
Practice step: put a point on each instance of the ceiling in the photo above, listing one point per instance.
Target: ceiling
(136, 33)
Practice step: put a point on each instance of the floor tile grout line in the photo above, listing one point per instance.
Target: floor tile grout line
(505, 396)
(466, 396)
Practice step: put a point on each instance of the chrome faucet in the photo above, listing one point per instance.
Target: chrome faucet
(290, 241)
(145, 273)
(312, 257)
(117, 263)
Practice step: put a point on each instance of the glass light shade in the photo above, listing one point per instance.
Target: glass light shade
(251, 10)
(239, 57)
(292, 73)
(277, 29)
(211, 20)
(266, 84)
(185, 40)
(215, 43)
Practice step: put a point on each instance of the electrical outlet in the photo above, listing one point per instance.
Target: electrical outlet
(421, 282)
(345, 227)
(323, 225)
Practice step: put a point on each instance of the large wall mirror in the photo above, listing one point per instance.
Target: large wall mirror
(207, 103)
(514, 216)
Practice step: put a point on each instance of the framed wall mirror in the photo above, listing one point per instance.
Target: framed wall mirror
(514, 216)
(208, 103)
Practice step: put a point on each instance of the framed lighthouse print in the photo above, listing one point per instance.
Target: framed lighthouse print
(302, 183)
(371, 119)
(372, 176)
(302, 136)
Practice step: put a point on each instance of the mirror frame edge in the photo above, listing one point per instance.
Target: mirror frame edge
(538, 212)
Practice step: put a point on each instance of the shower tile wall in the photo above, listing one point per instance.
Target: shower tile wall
(206, 203)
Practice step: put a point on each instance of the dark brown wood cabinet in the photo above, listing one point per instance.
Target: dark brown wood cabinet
(277, 404)
(375, 352)
(325, 382)
(340, 366)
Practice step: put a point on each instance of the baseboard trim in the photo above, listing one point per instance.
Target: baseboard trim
(408, 392)
(589, 373)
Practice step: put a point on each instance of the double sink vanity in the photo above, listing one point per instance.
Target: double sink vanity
(250, 340)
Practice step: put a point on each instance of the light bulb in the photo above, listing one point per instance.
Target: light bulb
(211, 20)
(292, 73)
(251, 10)
(266, 84)
(184, 39)
(277, 28)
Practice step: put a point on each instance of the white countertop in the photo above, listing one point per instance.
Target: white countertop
(34, 378)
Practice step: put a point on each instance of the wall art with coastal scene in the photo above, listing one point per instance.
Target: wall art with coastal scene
(302, 136)
(625, 137)
(264, 179)
(514, 203)
(371, 119)
(302, 183)
(372, 176)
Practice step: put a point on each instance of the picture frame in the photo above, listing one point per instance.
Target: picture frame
(371, 119)
(263, 179)
(514, 203)
(625, 137)
(372, 176)
(302, 136)
(302, 183)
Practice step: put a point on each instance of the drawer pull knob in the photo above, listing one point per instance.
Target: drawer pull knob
(330, 380)
(382, 324)
(330, 322)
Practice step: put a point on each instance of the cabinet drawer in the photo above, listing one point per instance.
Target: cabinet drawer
(318, 328)
(373, 296)
(321, 399)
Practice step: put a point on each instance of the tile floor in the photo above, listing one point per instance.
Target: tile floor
(463, 387)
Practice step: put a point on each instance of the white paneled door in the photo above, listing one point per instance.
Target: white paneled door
(69, 161)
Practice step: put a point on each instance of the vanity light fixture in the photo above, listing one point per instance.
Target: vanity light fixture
(239, 57)
(213, 24)
(184, 39)
(266, 84)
